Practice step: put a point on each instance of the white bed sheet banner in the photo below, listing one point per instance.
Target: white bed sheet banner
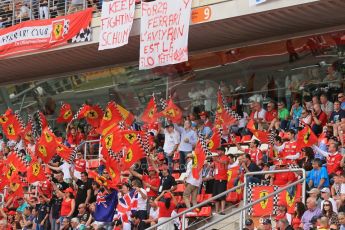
(164, 32)
(116, 23)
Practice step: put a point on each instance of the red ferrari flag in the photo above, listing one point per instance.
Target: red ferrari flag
(150, 114)
(46, 145)
(111, 117)
(290, 197)
(92, 114)
(215, 140)
(172, 112)
(199, 157)
(65, 114)
(132, 154)
(113, 169)
(127, 116)
(265, 207)
(42, 120)
(261, 135)
(11, 125)
(112, 140)
(16, 186)
(65, 152)
(35, 172)
(223, 118)
(306, 137)
(129, 137)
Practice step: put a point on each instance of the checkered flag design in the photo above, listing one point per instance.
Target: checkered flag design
(76, 115)
(301, 124)
(163, 103)
(71, 158)
(204, 145)
(84, 35)
(226, 107)
(275, 201)
(143, 145)
(66, 27)
(272, 136)
(20, 120)
(122, 125)
(22, 157)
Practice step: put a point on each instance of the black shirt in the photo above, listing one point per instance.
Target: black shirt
(56, 202)
(84, 217)
(166, 182)
(42, 211)
(82, 190)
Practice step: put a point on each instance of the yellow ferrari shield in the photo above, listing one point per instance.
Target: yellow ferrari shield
(48, 137)
(112, 174)
(10, 130)
(11, 170)
(3, 120)
(67, 114)
(57, 30)
(219, 108)
(170, 113)
(36, 168)
(42, 150)
(14, 186)
(210, 144)
(107, 115)
(131, 137)
(151, 113)
(195, 161)
(264, 202)
(109, 141)
(129, 156)
(92, 114)
(290, 200)
(229, 175)
(306, 136)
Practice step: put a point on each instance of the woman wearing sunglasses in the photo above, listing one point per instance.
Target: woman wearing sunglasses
(328, 212)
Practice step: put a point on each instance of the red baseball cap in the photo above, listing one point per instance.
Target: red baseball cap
(167, 195)
(160, 156)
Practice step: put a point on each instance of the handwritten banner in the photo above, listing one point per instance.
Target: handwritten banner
(116, 23)
(164, 32)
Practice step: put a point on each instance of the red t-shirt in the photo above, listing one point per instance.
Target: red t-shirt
(295, 222)
(270, 115)
(281, 179)
(221, 169)
(163, 211)
(255, 155)
(153, 181)
(14, 203)
(333, 163)
(80, 165)
(66, 207)
(322, 117)
(46, 188)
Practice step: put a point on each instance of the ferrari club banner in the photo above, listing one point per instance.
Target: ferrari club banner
(36, 35)
(164, 32)
(116, 23)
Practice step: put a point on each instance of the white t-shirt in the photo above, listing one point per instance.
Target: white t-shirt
(65, 169)
(342, 188)
(171, 139)
(142, 202)
(243, 122)
(189, 176)
(261, 114)
(154, 213)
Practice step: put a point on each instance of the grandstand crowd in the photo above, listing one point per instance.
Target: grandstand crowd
(162, 184)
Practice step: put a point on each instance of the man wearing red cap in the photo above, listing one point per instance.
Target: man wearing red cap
(151, 181)
(204, 117)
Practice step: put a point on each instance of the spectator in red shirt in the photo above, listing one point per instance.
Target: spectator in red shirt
(270, 115)
(79, 164)
(334, 158)
(151, 181)
(204, 117)
(220, 177)
(166, 207)
(255, 153)
(282, 179)
(319, 119)
(73, 138)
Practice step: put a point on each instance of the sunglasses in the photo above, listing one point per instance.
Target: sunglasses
(326, 205)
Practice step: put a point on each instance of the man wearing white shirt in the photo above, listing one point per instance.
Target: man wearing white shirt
(192, 184)
(171, 142)
(259, 115)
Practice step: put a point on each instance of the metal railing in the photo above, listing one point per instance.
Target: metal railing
(251, 204)
(243, 213)
(183, 213)
(15, 11)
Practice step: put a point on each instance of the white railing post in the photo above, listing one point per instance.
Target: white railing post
(183, 221)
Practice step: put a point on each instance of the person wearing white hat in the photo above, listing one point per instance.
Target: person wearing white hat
(326, 195)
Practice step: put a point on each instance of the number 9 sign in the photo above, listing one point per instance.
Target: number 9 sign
(201, 14)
